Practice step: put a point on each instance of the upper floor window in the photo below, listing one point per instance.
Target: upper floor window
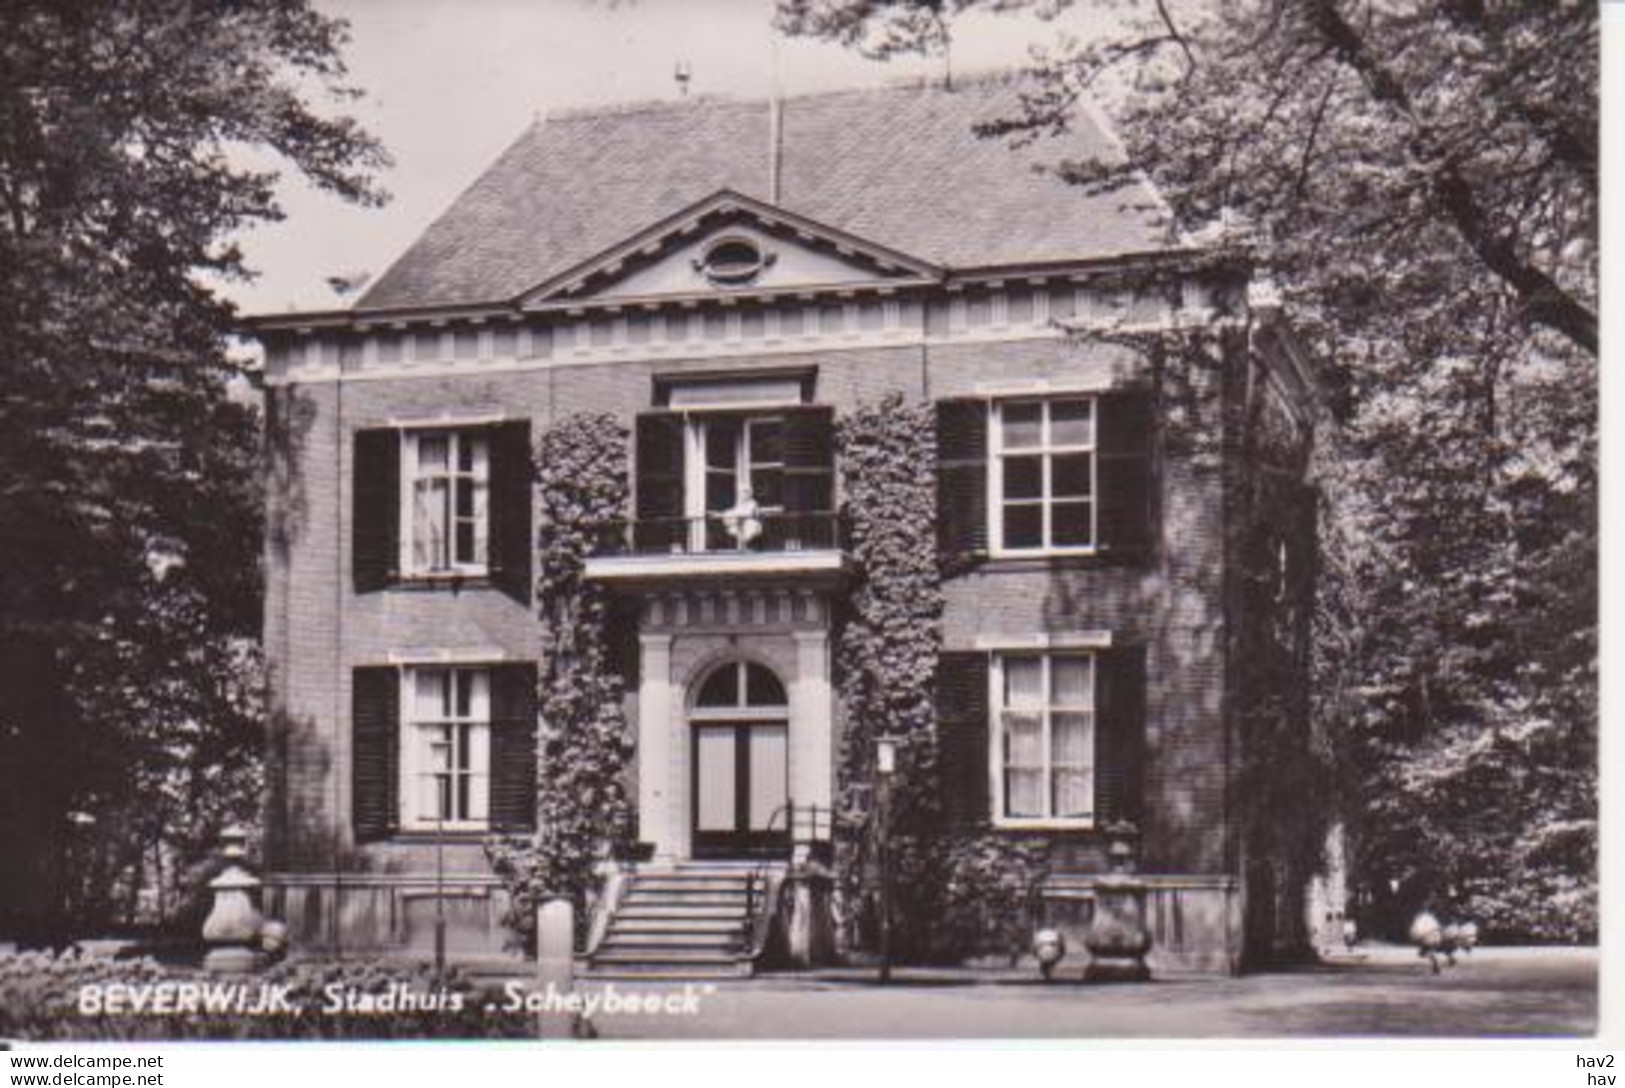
(1044, 738)
(1042, 479)
(446, 749)
(446, 485)
(1038, 475)
(715, 477)
(444, 501)
(739, 477)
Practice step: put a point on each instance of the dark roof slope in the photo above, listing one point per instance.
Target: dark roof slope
(897, 165)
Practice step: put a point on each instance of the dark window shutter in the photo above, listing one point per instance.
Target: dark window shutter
(1120, 734)
(625, 649)
(1126, 519)
(375, 755)
(513, 747)
(511, 510)
(962, 739)
(375, 545)
(809, 475)
(659, 467)
(962, 477)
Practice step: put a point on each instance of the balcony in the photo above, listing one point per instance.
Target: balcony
(719, 546)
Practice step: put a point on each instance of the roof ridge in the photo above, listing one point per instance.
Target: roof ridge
(962, 81)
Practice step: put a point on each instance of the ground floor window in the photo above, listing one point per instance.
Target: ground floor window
(1043, 738)
(446, 748)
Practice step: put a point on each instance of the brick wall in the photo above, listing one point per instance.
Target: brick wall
(317, 629)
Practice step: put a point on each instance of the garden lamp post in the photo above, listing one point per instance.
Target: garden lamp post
(885, 769)
(440, 895)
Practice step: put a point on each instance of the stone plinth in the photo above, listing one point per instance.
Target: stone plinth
(1119, 938)
(232, 929)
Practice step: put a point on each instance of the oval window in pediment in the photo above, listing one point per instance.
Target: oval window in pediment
(733, 260)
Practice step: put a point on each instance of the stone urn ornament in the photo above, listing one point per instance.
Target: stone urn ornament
(1049, 948)
(232, 929)
(1435, 940)
(1118, 937)
(743, 521)
(274, 939)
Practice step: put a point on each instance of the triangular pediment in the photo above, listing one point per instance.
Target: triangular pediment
(729, 244)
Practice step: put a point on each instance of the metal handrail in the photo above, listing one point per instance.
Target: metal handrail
(761, 899)
(720, 533)
(790, 809)
(747, 933)
(819, 823)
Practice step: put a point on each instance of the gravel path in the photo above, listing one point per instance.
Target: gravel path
(1517, 992)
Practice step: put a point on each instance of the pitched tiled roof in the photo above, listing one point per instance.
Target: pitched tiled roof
(897, 165)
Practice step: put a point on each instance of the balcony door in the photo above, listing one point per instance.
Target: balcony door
(695, 468)
(741, 765)
(736, 488)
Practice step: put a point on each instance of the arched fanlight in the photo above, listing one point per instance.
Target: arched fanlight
(736, 685)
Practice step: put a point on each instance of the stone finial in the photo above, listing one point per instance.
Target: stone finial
(1122, 847)
(234, 842)
(232, 929)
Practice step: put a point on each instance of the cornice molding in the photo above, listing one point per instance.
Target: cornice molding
(1193, 261)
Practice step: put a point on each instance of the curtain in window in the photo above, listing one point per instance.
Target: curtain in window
(1023, 722)
(471, 485)
(1024, 763)
(430, 491)
(1072, 739)
(1072, 736)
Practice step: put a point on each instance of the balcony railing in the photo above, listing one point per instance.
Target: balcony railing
(762, 532)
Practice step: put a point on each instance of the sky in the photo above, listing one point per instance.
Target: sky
(448, 85)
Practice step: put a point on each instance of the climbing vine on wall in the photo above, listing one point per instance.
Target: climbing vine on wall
(887, 643)
(584, 743)
(1216, 417)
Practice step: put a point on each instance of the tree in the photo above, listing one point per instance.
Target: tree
(129, 511)
(1420, 178)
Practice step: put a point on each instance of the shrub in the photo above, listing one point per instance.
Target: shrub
(989, 888)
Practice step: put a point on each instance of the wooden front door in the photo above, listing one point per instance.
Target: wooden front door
(740, 786)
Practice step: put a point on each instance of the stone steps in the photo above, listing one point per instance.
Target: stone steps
(688, 922)
(678, 924)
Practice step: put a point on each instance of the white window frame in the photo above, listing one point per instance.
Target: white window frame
(415, 743)
(697, 467)
(1047, 450)
(479, 477)
(995, 731)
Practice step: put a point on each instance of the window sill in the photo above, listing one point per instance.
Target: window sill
(410, 836)
(1090, 552)
(453, 581)
(1039, 824)
(1095, 560)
